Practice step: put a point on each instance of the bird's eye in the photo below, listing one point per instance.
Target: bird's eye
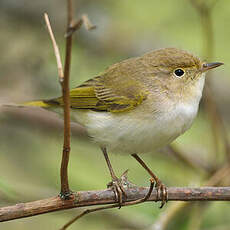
(179, 72)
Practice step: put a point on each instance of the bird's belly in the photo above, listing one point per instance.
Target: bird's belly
(126, 134)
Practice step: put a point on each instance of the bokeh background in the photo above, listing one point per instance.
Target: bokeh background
(31, 139)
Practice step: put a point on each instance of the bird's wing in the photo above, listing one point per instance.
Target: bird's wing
(105, 93)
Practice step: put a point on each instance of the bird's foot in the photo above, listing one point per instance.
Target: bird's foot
(162, 193)
(65, 195)
(118, 185)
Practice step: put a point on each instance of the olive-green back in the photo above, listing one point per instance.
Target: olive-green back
(114, 91)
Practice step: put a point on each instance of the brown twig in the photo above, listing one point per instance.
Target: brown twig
(87, 211)
(87, 23)
(65, 191)
(102, 197)
(75, 25)
(56, 49)
(72, 26)
(64, 81)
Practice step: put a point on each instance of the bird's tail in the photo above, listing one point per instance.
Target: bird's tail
(41, 104)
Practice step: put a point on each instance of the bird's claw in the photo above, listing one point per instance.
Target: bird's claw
(117, 185)
(162, 193)
(65, 195)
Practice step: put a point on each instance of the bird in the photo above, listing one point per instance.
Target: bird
(138, 105)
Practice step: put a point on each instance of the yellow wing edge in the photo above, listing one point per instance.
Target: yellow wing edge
(41, 104)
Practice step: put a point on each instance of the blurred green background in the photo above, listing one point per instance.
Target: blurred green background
(31, 139)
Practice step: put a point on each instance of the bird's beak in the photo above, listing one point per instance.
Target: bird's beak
(212, 65)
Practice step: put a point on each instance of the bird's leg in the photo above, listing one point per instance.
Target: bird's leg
(161, 188)
(116, 183)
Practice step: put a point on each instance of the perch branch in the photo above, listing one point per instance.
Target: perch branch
(87, 211)
(103, 197)
(65, 191)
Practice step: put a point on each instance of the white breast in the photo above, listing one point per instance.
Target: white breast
(125, 133)
(128, 135)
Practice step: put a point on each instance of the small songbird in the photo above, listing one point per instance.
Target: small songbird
(138, 105)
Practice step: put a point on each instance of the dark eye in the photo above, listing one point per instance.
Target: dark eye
(179, 72)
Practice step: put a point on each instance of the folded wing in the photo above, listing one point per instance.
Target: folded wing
(104, 93)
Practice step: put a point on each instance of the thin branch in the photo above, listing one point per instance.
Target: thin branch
(65, 191)
(71, 28)
(102, 197)
(64, 81)
(87, 211)
(56, 49)
(75, 25)
(87, 23)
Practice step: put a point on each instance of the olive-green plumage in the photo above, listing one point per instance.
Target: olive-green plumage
(125, 85)
(99, 94)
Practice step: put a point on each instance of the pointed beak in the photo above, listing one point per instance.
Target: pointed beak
(212, 65)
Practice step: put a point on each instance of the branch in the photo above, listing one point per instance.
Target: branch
(87, 211)
(72, 26)
(56, 49)
(102, 197)
(65, 191)
(64, 81)
(75, 25)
